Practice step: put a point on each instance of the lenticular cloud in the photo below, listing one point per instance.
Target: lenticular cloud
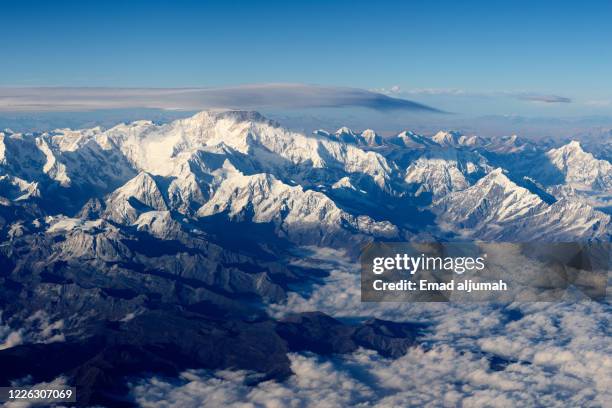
(260, 96)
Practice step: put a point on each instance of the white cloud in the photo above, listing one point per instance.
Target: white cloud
(12, 339)
(557, 355)
(445, 375)
(57, 383)
(38, 328)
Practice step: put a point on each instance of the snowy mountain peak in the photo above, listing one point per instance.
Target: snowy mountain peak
(406, 133)
(572, 149)
(160, 224)
(144, 188)
(509, 144)
(440, 171)
(497, 171)
(368, 133)
(303, 215)
(212, 116)
(495, 208)
(371, 138)
(344, 131)
(412, 140)
(470, 141)
(498, 177)
(346, 135)
(581, 169)
(344, 182)
(446, 138)
(238, 161)
(138, 195)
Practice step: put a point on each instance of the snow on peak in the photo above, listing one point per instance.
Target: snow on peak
(581, 169)
(494, 199)
(495, 208)
(406, 133)
(144, 188)
(63, 224)
(160, 224)
(509, 144)
(371, 138)
(212, 118)
(344, 182)
(346, 135)
(235, 162)
(571, 151)
(303, 215)
(441, 171)
(446, 138)
(140, 194)
(412, 140)
(344, 131)
(470, 141)
(247, 136)
(369, 133)
(498, 177)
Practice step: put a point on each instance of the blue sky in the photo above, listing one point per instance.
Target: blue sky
(473, 57)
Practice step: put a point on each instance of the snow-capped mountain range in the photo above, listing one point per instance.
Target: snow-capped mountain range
(251, 169)
(156, 247)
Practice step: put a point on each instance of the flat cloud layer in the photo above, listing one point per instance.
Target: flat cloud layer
(557, 356)
(270, 96)
(553, 354)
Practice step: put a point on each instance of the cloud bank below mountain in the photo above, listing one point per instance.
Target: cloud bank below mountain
(259, 96)
(553, 353)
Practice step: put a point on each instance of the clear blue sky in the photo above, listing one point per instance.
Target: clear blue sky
(473, 47)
